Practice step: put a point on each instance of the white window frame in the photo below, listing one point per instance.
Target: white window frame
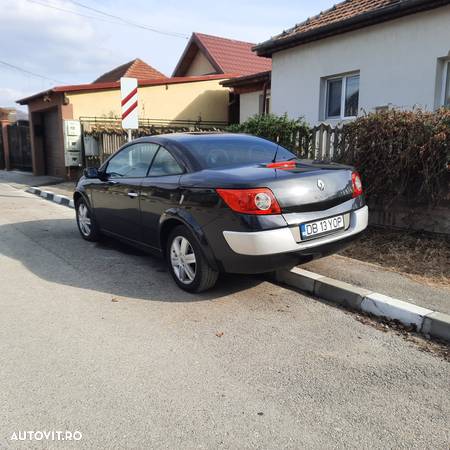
(342, 116)
(445, 80)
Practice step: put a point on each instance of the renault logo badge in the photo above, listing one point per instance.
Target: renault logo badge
(320, 184)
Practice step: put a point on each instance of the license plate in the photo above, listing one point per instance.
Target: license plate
(323, 226)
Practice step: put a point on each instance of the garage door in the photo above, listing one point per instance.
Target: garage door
(53, 147)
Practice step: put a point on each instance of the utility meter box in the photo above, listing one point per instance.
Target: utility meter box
(72, 143)
(73, 159)
(73, 128)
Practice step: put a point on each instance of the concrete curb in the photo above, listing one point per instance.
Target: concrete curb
(425, 320)
(59, 199)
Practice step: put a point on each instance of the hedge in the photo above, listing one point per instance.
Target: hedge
(402, 155)
(290, 133)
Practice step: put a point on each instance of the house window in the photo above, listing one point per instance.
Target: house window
(342, 97)
(446, 85)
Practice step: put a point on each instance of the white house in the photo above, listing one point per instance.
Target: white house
(362, 55)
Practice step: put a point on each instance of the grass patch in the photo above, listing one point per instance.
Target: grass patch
(422, 256)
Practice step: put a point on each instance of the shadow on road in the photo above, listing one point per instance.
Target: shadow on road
(26, 178)
(54, 251)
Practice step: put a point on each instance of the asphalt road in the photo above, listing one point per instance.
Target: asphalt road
(96, 338)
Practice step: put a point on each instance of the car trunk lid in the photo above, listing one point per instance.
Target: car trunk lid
(312, 187)
(301, 186)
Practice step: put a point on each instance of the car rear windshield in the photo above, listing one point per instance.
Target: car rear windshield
(214, 152)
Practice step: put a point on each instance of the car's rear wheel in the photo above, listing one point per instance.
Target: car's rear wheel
(86, 221)
(187, 264)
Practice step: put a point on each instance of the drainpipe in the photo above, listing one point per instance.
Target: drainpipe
(264, 98)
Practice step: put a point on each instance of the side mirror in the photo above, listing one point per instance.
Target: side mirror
(91, 172)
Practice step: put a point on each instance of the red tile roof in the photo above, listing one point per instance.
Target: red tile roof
(234, 56)
(135, 69)
(345, 16)
(116, 85)
(225, 55)
(339, 12)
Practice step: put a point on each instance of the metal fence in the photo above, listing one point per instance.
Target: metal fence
(19, 146)
(2, 151)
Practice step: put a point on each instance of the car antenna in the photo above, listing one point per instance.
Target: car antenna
(276, 151)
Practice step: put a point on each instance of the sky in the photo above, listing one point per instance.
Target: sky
(71, 44)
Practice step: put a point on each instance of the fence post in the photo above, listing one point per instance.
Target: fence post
(6, 154)
(326, 154)
(320, 147)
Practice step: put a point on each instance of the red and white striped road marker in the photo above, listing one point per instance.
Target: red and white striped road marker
(129, 102)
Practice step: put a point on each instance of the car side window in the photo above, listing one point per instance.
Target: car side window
(133, 161)
(164, 164)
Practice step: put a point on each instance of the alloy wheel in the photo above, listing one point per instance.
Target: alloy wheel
(183, 260)
(84, 220)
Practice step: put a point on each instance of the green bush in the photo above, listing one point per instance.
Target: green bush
(290, 133)
(402, 155)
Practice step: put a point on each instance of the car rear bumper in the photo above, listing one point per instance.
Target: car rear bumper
(287, 239)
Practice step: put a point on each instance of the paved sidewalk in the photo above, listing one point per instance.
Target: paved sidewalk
(21, 180)
(374, 278)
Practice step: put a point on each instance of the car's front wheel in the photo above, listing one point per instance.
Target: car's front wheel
(187, 264)
(86, 221)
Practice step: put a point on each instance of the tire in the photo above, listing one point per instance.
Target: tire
(87, 225)
(187, 264)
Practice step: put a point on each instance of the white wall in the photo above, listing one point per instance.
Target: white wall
(249, 105)
(398, 63)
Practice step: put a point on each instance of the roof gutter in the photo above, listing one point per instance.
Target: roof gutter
(247, 79)
(403, 8)
(25, 100)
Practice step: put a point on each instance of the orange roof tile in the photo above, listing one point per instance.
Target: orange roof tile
(234, 56)
(225, 55)
(134, 69)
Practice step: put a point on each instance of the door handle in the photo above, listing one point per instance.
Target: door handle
(112, 182)
(132, 194)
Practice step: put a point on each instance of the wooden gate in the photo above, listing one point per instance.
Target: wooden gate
(20, 146)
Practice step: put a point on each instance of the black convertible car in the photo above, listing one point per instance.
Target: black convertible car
(215, 203)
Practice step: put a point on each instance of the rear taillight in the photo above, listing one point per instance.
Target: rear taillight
(356, 184)
(250, 201)
(282, 165)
